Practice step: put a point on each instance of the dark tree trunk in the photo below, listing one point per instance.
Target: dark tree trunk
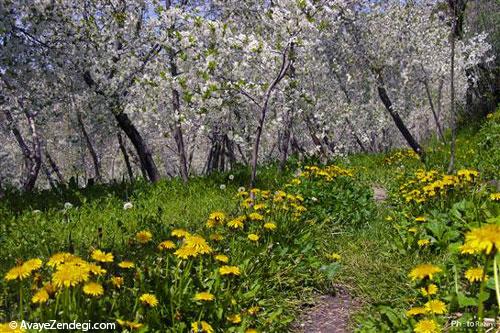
(54, 167)
(126, 157)
(356, 137)
(285, 139)
(434, 114)
(140, 146)
(90, 146)
(399, 123)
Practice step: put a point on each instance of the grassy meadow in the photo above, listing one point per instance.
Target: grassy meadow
(214, 256)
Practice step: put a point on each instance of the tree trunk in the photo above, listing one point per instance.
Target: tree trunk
(285, 140)
(434, 114)
(126, 157)
(54, 167)
(90, 146)
(356, 137)
(399, 123)
(178, 136)
(285, 63)
(140, 146)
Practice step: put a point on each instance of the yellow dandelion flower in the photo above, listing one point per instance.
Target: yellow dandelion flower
(149, 299)
(17, 272)
(69, 275)
(166, 245)
(185, 252)
(96, 269)
(222, 258)
(33, 264)
(201, 327)
(423, 271)
(198, 243)
(495, 196)
(180, 233)
(41, 296)
(430, 290)
(427, 326)
(415, 311)
(235, 318)
(251, 330)
(475, 274)
(423, 242)
(93, 289)
(485, 238)
(58, 258)
(260, 206)
(420, 219)
(144, 236)
(129, 324)
(236, 224)
(228, 270)
(412, 230)
(126, 264)
(253, 310)
(204, 296)
(218, 217)
(270, 226)
(253, 237)
(116, 281)
(334, 256)
(435, 306)
(101, 256)
(255, 216)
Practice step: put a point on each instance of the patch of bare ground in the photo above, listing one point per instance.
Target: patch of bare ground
(379, 193)
(328, 314)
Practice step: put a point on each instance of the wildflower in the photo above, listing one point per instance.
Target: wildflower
(485, 238)
(32, 264)
(241, 189)
(149, 299)
(180, 233)
(259, 206)
(129, 324)
(143, 236)
(431, 289)
(253, 237)
(251, 330)
(222, 258)
(70, 274)
(423, 242)
(334, 256)
(475, 274)
(166, 245)
(235, 318)
(420, 219)
(18, 272)
(96, 269)
(253, 310)
(41, 296)
(423, 271)
(93, 289)
(127, 205)
(222, 187)
(68, 205)
(270, 226)
(201, 327)
(204, 296)
(231, 177)
(436, 306)
(415, 311)
(186, 252)
(227, 270)
(126, 264)
(412, 230)
(218, 217)
(236, 223)
(101, 256)
(255, 216)
(198, 243)
(495, 196)
(427, 326)
(117, 281)
(58, 258)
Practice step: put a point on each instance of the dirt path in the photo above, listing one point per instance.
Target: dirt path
(330, 314)
(379, 193)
